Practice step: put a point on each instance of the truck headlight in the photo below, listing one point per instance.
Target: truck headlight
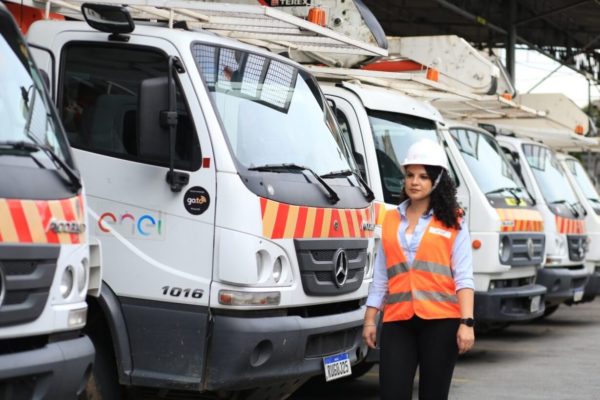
(66, 282)
(239, 298)
(277, 269)
(504, 251)
(81, 275)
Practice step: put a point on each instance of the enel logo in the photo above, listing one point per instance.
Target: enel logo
(144, 225)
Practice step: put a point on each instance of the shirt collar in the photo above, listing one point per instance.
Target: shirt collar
(404, 205)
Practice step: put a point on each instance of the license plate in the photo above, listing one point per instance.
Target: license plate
(535, 304)
(337, 366)
(578, 295)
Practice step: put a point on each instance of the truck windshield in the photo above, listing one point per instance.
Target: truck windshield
(550, 177)
(584, 183)
(485, 160)
(393, 134)
(27, 122)
(273, 113)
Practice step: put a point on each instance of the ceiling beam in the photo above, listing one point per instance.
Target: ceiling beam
(552, 12)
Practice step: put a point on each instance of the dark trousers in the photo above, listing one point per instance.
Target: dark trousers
(429, 344)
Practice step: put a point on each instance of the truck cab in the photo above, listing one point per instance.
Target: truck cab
(564, 273)
(237, 241)
(590, 201)
(45, 259)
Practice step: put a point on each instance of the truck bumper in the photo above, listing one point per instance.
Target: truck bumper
(254, 352)
(592, 288)
(510, 304)
(59, 370)
(563, 285)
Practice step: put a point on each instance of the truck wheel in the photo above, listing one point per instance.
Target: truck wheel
(550, 310)
(361, 369)
(104, 381)
(275, 392)
(490, 327)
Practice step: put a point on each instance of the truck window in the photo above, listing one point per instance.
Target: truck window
(347, 136)
(393, 134)
(549, 175)
(100, 87)
(486, 162)
(272, 111)
(26, 114)
(584, 183)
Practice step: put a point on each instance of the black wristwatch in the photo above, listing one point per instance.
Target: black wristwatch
(470, 322)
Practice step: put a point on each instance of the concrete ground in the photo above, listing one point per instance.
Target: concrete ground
(555, 358)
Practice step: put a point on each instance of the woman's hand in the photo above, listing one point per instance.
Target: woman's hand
(370, 335)
(465, 338)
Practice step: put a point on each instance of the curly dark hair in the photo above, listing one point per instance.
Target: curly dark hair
(443, 198)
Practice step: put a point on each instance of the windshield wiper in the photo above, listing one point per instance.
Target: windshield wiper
(500, 190)
(331, 194)
(368, 193)
(32, 147)
(577, 205)
(23, 147)
(569, 205)
(511, 190)
(558, 202)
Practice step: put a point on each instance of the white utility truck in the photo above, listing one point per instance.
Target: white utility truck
(528, 143)
(44, 255)
(590, 200)
(244, 272)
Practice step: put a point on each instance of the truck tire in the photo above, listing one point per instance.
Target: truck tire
(361, 369)
(275, 392)
(550, 310)
(104, 382)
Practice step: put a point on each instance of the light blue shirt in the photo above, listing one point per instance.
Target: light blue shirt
(461, 257)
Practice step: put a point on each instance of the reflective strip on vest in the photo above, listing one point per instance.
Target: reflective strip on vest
(422, 295)
(399, 297)
(435, 296)
(434, 268)
(397, 270)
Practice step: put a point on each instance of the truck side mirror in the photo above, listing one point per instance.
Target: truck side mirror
(153, 137)
(157, 124)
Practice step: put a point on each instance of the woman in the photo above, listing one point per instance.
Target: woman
(423, 282)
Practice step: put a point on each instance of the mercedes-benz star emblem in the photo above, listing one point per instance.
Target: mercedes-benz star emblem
(340, 268)
(530, 249)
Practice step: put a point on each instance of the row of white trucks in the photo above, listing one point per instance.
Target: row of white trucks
(233, 201)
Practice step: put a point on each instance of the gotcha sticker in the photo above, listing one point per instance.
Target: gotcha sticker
(196, 200)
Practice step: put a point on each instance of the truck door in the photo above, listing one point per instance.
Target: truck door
(157, 243)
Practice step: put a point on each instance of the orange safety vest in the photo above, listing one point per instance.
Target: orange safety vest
(425, 288)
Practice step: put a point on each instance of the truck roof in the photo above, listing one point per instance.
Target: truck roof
(43, 32)
(382, 99)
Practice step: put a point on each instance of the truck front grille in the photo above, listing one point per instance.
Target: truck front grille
(26, 274)
(527, 248)
(320, 261)
(331, 343)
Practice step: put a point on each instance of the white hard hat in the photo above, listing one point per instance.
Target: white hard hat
(426, 152)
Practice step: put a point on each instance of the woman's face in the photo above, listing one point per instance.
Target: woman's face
(417, 182)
